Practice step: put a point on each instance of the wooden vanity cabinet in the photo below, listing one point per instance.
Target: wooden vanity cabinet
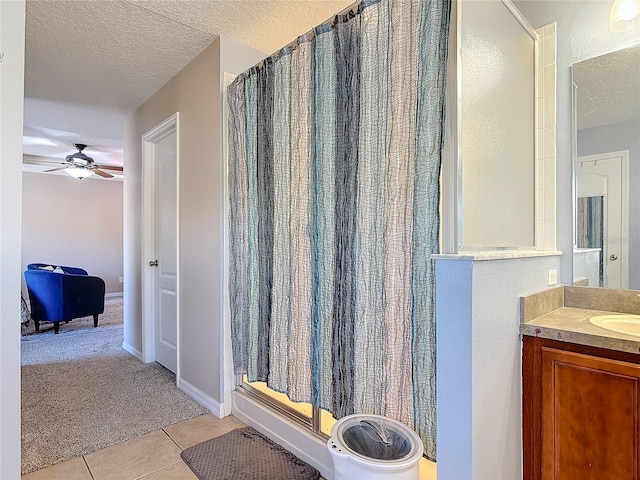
(580, 412)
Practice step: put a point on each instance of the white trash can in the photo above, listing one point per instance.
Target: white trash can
(373, 447)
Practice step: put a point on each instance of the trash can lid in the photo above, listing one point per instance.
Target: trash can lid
(376, 437)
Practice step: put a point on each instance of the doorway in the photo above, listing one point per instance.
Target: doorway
(160, 306)
(603, 206)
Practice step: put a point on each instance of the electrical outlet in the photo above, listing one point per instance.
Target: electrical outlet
(121, 279)
(553, 277)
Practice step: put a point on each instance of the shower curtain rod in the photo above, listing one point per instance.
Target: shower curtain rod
(346, 14)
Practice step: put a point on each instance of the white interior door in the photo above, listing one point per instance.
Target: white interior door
(160, 245)
(606, 175)
(166, 304)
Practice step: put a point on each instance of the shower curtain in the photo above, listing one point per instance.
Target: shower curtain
(334, 162)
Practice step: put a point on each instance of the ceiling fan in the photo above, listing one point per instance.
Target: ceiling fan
(80, 165)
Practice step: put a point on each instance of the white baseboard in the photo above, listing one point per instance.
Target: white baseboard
(202, 398)
(298, 440)
(113, 295)
(133, 351)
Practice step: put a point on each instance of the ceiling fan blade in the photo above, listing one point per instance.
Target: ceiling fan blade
(102, 174)
(55, 169)
(40, 161)
(111, 167)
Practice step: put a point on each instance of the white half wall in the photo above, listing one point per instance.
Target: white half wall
(12, 25)
(479, 373)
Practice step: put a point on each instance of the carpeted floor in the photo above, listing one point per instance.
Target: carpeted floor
(82, 392)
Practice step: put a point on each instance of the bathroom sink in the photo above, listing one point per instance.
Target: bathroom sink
(621, 323)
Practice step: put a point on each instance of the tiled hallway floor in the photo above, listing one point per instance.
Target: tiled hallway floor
(155, 456)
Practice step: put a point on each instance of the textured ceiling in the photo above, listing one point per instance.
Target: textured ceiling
(608, 88)
(90, 63)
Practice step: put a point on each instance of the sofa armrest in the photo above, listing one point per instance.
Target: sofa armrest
(82, 295)
(45, 294)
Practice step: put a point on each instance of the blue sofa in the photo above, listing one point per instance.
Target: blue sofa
(60, 294)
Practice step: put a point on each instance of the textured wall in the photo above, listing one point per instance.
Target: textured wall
(479, 364)
(195, 92)
(66, 221)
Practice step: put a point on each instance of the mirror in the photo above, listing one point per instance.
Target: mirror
(607, 170)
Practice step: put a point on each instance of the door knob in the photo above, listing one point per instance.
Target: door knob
(153, 263)
(613, 257)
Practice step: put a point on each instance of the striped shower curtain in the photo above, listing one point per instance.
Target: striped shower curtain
(334, 164)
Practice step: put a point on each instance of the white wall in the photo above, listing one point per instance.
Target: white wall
(12, 22)
(582, 33)
(66, 221)
(479, 364)
(195, 92)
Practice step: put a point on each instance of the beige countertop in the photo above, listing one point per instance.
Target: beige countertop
(572, 325)
(548, 316)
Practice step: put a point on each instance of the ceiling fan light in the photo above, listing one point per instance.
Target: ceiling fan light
(622, 15)
(78, 172)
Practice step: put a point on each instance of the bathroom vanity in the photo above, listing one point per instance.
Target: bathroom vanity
(581, 385)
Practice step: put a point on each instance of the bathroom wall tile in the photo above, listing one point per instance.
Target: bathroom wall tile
(540, 173)
(550, 234)
(549, 111)
(540, 115)
(549, 143)
(549, 167)
(549, 45)
(549, 204)
(546, 141)
(539, 232)
(540, 47)
(540, 144)
(540, 207)
(540, 80)
(549, 80)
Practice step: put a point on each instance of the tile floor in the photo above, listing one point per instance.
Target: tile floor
(155, 456)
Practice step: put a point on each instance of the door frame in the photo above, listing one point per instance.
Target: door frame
(149, 141)
(623, 155)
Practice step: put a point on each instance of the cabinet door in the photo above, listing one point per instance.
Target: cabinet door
(590, 417)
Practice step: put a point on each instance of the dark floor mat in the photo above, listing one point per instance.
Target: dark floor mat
(245, 454)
